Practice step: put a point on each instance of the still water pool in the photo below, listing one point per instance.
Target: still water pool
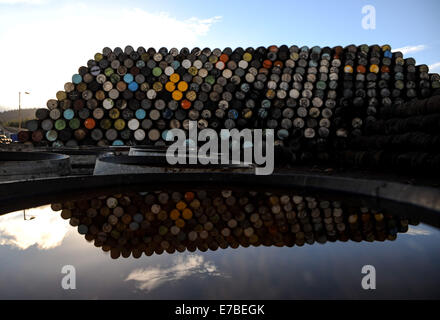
(214, 244)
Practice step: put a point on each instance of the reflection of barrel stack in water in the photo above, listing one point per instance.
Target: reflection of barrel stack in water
(314, 98)
(155, 222)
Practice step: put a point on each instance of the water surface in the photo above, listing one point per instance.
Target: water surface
(36, 243)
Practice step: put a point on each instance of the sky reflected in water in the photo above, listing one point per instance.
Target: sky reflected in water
(33, 253)
(45, 229)
(179, 268)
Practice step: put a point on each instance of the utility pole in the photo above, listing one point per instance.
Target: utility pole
(19, 108)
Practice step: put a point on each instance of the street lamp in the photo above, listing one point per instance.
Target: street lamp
(26, 218)
(19, 108)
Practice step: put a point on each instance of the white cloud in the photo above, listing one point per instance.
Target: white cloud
(415, 231)
(411, 49)
(435, 67)
(42, 50)
(47, 230)
(153, 277)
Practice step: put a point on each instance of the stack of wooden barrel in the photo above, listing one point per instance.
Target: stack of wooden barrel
(317, 100)
(154, 222)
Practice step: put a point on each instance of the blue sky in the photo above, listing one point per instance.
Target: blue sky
(46, 41)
